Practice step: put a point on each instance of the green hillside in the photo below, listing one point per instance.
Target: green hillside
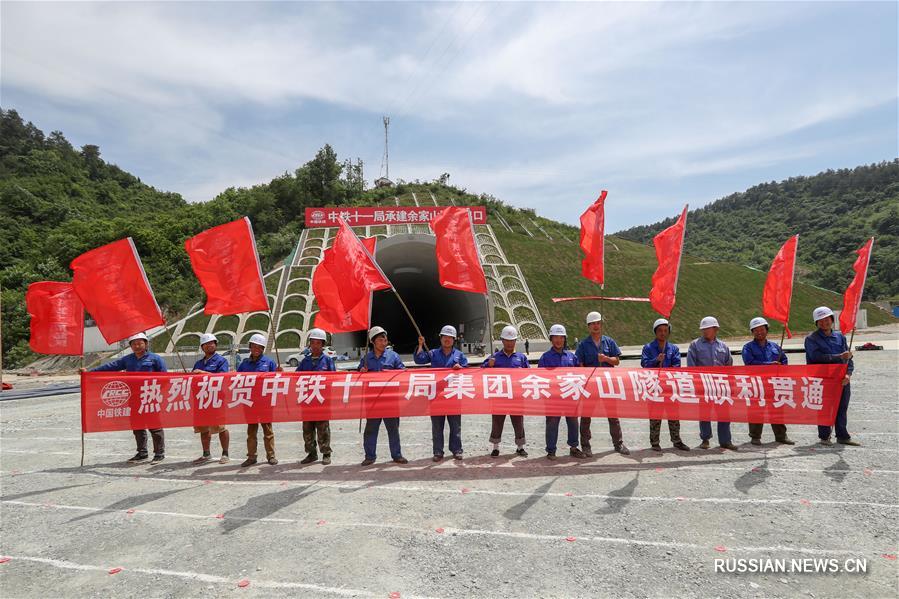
(833, 212)
(731, 292)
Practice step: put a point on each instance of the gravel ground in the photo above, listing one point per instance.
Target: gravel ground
(646, 525)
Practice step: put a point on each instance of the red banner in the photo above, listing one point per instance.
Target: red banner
(458, 264)
(394, 215)
(852, 298)
(112, 401)
(225, 261)
(57, 318)
(593, 226)
(111, 282)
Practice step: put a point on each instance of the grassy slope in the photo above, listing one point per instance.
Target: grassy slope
(730, 292)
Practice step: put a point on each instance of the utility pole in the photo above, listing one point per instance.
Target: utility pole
(386, 151)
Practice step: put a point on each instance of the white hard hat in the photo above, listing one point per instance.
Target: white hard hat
(557, 329)
(758, 321)
(137, 336)
(708, 322)
(594, 317)
(259, 340)
(821, 312)
(659, 322)
(318, 334)
(509, 333)
(375, 331)
(449, 330)
(206, 338)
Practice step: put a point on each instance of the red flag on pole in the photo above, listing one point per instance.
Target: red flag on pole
(225, 261)
(458, 263)
(349, 276)
(111, 282)
(593, 223)
(669, 246)
(778, 292)
(852, 299)
(57, 318)
(332, 315)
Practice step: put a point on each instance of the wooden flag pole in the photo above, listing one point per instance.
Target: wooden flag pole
(783, 335)
(271, 319)
(82, 422)
(175, 347)
(1, 338)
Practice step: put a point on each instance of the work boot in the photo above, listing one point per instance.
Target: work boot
(326, 459)
(786, 441)
(457, 456)
(729, 446)
(756, 441)
(273, 461)
(310, 457)
(682, 446)
(826, 441)
(494, 453)
(849, 442)
(367, 462)
(550, 456)
(622, 449)
(157, 458)
(520, 452)
(401, 460)
(576, 453)
(704, 444)
(138, 457)
(248, 462)
(437, 457)
(656, 447)
(587, 451)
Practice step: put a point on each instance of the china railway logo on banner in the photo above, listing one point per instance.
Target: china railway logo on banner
(115, 394)
(369, 216)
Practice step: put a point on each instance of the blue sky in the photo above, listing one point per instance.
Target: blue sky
(539, 104)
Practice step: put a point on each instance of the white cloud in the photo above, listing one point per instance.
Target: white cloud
(534, 101)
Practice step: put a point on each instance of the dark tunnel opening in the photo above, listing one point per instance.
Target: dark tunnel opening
(411, 265)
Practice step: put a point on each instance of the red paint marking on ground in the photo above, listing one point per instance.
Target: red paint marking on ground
(114, 571)
(571, 539)
(720, 548)
(220, 516)
(438, 531)
(243, 583)
(4, 559)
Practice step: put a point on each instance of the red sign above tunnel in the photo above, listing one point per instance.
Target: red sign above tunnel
(399, 215)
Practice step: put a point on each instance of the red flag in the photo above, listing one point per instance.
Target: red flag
(111, 282)
(852, 299)
(225, 261)
(332, 315)
(669, 246)
(350, 276)
(778, 292)
(593, 222)
(57, 318)
(458, 264)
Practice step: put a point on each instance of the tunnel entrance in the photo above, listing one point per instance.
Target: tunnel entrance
(409, 262)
